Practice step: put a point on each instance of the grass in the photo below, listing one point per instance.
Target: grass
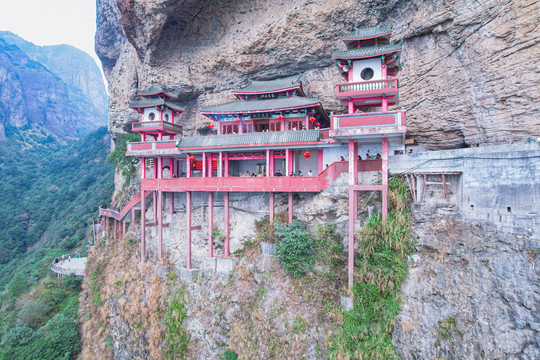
(380, 270)
(177, 338)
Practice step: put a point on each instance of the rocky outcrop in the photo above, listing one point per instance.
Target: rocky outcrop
(465, 79)
(471, 293)
(66, 79)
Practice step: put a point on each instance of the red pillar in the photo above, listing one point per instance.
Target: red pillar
(227, 229)
(160, 167)
(385, 178)
(287, 162)
(160, 224)
(107, 227)
(267, 162)
(123, 229)
(320, 170)
(154, 205)
(115, 233)
(290, 208)
(210, 223)
(188, 229)
(143, 227)
(203, 164)
(272, 163)
(291, 162)
(188, 167)
(271, 208)
(171, 168)
(352, 193)
(143, 168)
(171, 208)
(226, 165)
(155, 169)
(210, 165)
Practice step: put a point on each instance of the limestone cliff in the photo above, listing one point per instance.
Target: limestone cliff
(469, 73)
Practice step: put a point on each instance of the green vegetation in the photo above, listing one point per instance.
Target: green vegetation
(447, 328)
(229, 355)
(51, 189)
(177, 338)
(127, 165)
(294, 247)
(380, 269)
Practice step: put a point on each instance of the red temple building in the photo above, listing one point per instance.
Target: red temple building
(272, 139)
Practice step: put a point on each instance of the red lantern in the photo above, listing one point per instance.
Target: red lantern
(307, 155)
(281, 117)
(211, 126)
(191, 158)
(237, 120)
(312, 119)
(317, 124)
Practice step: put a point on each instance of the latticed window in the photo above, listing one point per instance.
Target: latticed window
(275, 125)
(229, 129)
(247, 128)
(295, 125)
(149, 166)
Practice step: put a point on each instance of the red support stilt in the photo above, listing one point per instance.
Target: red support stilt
(204, 164)
(115, 233)
(171, 168)
(288, 162)
(188, 167)
(290, 207)
(272, 163)
(351, 237)
(210, 223)
(227, 229)
(171, 207)
(160, 224)
(107, 227)
(143, 168)
(210, 165)
(143, 227)
(385, 178)
(267, 162)
(154, 205)
(226, 165)
(320, 158)
(188, 229)
(220, 164)
(123, 229)
(133, 218)
(271, 208)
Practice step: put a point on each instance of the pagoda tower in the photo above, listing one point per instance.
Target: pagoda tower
(370, 65)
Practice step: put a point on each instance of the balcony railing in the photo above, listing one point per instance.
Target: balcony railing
(388, 122)
(147, 126)
(151, 145)
(366, 88)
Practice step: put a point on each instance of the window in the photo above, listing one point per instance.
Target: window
(166, 117)
(367, 74)
(151, 116)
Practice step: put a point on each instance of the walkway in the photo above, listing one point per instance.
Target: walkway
(74, 266)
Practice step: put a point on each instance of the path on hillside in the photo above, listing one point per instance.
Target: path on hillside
(73, 266)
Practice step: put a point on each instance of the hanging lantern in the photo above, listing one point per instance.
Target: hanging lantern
(317, 124)
(281, 117)
(211, 126)
(311, 119)
(237, 120)
(307, 155)
(191, 158)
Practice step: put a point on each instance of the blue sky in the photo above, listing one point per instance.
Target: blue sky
(52, 22)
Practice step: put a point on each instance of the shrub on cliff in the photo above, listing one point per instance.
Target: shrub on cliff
(294, 247)
(127, 165)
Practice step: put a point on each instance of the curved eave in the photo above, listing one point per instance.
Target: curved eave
(355, 38)
(318, 104)
(299, 87)
(343, 57)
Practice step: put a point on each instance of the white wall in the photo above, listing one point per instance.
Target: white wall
(359, 65)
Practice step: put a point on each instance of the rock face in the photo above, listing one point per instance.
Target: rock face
(465, 79)
(59, 87)
(471, 293)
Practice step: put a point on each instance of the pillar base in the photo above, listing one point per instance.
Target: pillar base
(187, 275)
(267, 248)
(347, 303)
(225, 265)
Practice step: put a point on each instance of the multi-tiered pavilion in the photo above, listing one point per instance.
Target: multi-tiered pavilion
(272, 139)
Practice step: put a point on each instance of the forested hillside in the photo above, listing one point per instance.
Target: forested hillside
(51, 190)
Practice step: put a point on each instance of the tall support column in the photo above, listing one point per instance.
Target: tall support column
(171, 207)
(115, 233)
(171, 168)
(210, 223)
(290, 207)
(220, 164)
(227, 229)
(353, 162)
(272, 163)
(160, 224)
(188, 167)
(385, 178)
(291, 162)
(271, 208)
(226, 165)
(143, 227)
(267, 162)
(287, 162)
(352, 193)
(204, 164)
(320, 161)
(133, 218)
(107, 227)
(154, 206)
(188, 229)
(123, 229)
(210, 165)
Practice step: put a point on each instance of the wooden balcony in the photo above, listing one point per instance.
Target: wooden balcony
(156, 126)
(151, 147)
(378, 124)
(367, 89)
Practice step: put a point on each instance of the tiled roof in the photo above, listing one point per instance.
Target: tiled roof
(366, 52)
(367, 33)
(253, 139)
(255, 86)
(155, 90)
(278, 104)
(155, 102)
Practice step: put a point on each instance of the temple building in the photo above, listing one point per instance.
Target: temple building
(273, 139)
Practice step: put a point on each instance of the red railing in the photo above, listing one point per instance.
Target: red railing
(145, 126)
(366, 88)
(153, 145)
(118, 215)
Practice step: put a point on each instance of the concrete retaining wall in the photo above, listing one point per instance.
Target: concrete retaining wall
(499, 184)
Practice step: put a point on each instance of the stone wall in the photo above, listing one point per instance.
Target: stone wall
(498, 185)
